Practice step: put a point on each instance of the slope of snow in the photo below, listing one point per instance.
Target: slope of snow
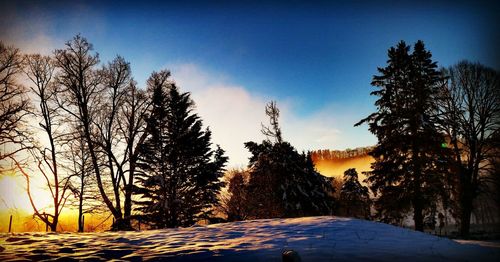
(314, 238)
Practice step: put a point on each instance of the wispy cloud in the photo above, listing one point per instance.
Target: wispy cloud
(233, 114)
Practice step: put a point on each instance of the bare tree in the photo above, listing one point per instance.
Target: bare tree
(471, 119)
(79, 168)
(132, 125)
(274, 131)
(13, 103)
(79, 95)
(121, 131)
(39, 69)
(115, 77)
(111, 112)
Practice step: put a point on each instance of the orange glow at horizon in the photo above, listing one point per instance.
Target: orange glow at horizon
(14, 201)
(13, 193)
(336, 167)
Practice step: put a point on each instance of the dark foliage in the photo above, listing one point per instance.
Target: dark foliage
(409, 164)
(181, 174)
(284, 183)
(234, 204)
(354, 198)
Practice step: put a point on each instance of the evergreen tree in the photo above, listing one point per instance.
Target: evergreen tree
(284, 183)
(354, 197)
(181, 173)
(408, 167)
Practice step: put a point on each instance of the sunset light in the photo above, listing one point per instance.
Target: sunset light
(250, 130)
(13, 195)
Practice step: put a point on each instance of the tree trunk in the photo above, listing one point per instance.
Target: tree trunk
(121, 224)
(53, 225)
(93, 156)
(128, 203)
(466, 198)
(465, 215)
(418, 216)
(80, 213)
(465, 222)
(128, 190)
(418, 205)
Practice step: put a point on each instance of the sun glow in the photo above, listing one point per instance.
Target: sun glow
(14, 199)
(13, 193)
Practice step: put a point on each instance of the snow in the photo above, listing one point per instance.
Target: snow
(314, 238)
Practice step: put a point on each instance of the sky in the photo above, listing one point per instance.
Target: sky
(316, 59)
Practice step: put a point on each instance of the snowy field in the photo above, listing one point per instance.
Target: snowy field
(314, 238)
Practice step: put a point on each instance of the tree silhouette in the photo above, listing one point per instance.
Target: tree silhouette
(79, 95)
(181, 174)
(470, 108)
(132, 127)
(409, 166)
(110, 110)
(274, 131)
(79, 167)
(39, 69)
(353, 196)
(120, 130)
(13, 104)
(115, 78)
(284, 183)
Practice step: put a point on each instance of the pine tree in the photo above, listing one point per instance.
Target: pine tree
(354, 197)
(181, 173)
(283, 182)
(408, 167)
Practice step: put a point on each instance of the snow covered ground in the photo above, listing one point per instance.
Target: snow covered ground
(314, 238)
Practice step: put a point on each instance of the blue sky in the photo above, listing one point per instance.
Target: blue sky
(316, 59)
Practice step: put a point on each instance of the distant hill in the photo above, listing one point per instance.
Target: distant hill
(333, 163)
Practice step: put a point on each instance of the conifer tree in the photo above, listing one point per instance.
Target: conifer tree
(181, 174)
(353, 196)
(283, 182)
(409, 162)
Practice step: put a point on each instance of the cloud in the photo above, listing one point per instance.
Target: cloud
(234, 114)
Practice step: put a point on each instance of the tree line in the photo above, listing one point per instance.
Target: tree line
(142, 154)
(326, 154)
(103, 144)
